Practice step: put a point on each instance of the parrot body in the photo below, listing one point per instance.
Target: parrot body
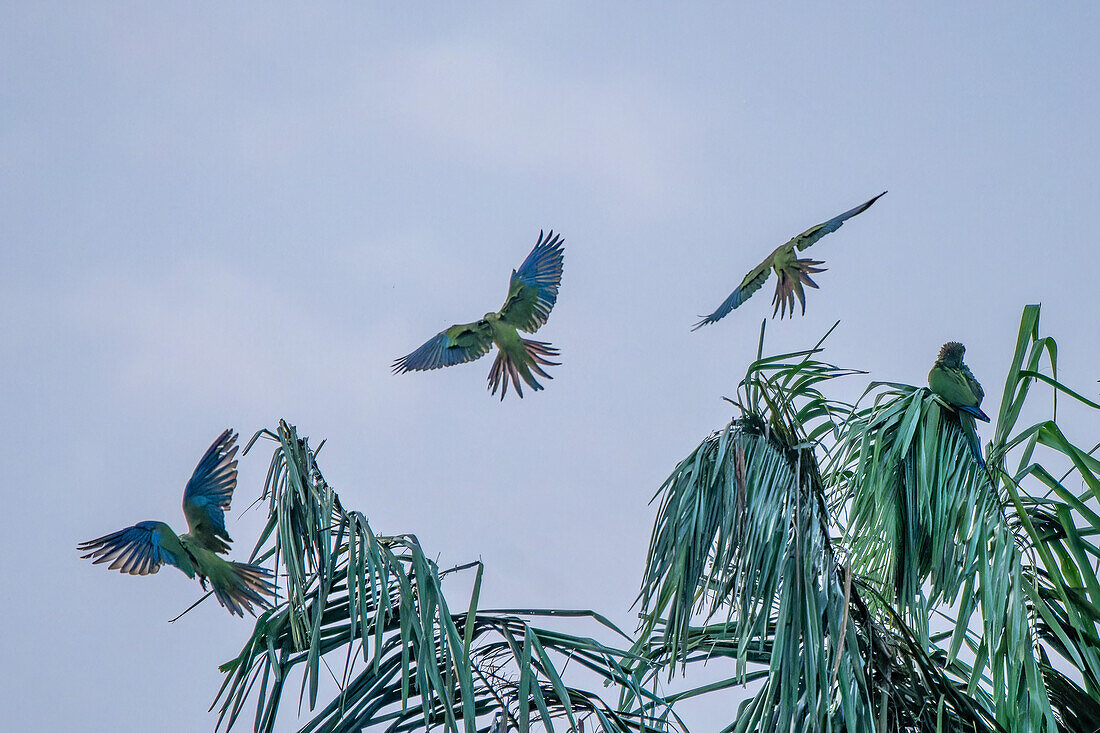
(144, 547)
(792, 272)
(532, 293)
(955, 384)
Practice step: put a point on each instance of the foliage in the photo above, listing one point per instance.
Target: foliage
(874, 570)
(407, 661)
(853, 565)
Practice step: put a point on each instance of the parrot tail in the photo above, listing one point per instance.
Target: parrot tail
(791, 279)
(975, 411)
(239, 585)
(971, 433)
(511, 368)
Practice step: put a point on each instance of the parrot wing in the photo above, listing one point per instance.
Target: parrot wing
(748, 286)
(533, 289)
(139, 550)
(811, 235)
(458, 344)
(952, 385)
(971, 380)
(208, 493)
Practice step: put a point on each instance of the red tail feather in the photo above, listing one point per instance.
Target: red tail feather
(505, 371)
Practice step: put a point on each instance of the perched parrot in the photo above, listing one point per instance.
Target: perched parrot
(954, 383)
(531, 294)
(143, 548)
(792, 272)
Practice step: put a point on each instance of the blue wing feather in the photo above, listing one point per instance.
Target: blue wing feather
(533, 289)
(734, 300)
(811, 235)
(210, 491)
(756, 277)
(752, 282)
(542, 269)
(975, 411)
(137, 550)
(456, 345)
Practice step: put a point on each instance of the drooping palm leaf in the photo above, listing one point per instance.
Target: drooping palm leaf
(853, 562)
(375, 606)
(743, 532)
(928, 534)
(937, 532)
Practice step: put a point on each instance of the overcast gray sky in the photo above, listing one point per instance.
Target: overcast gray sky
(223, 214)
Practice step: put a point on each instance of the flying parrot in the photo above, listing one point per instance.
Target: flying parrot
(143, 548)
(955, 384)
(532, 292)
(792, 272)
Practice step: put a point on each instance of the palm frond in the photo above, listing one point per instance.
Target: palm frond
(376, 606)
(743, 532)
(854, 562)
(931, 528)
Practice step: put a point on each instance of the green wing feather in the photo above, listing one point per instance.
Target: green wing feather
(533, 290)
(955, 388)
(755, 279)
(811, 235)
(458, 344)
(519, 307)
(139, 550)
(971, 380)
(209, 492)
(793, 273)
(752, 282)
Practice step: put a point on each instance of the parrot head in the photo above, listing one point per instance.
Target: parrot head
(951, 354)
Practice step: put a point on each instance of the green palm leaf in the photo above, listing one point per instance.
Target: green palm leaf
(374, 604)
(853, 562)
(953, 587)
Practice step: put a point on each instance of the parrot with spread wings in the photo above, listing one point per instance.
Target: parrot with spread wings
(952, 381)
(792, 272)
(532, 292)
(143, 548)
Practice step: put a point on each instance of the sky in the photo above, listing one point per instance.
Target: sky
(224, 214)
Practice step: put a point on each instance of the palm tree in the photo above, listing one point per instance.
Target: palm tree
(853, 564)
(407, 660)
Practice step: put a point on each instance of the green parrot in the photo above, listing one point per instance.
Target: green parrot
(791, 271)
(532, 292)
(143, 548)
(952, 381)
